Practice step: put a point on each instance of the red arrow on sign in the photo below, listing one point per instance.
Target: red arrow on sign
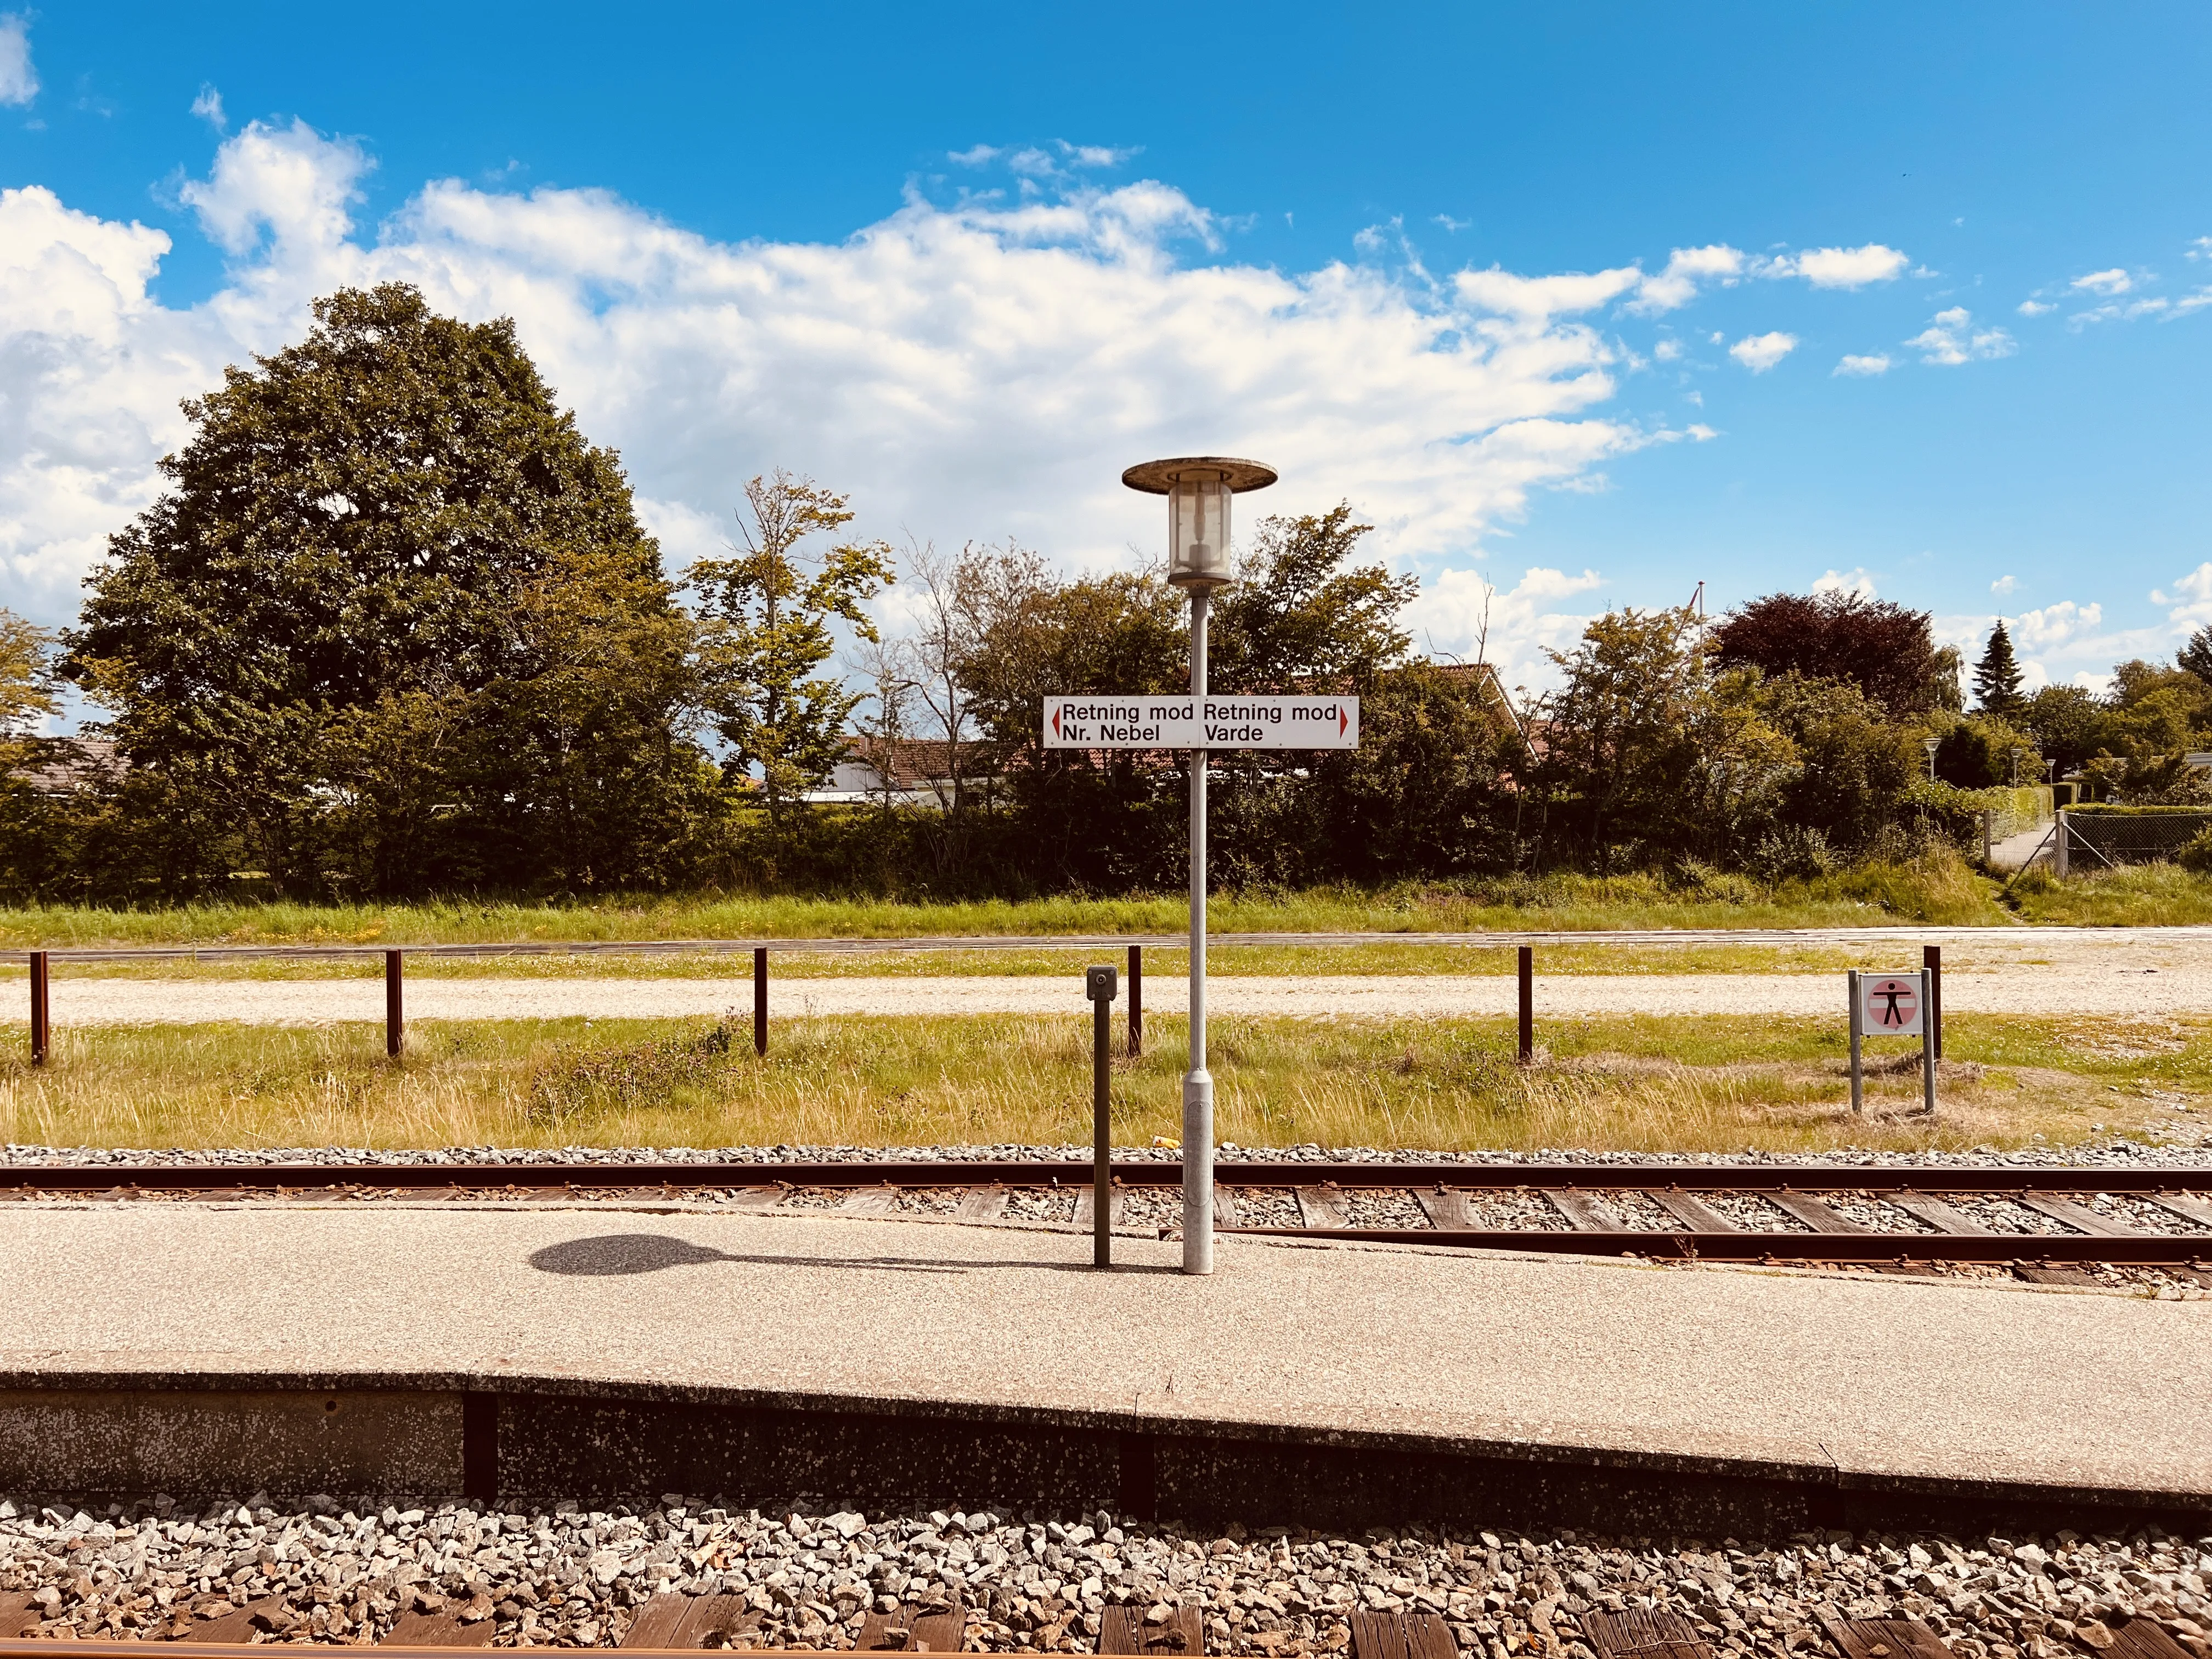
(1055, 722)
(1343, 720)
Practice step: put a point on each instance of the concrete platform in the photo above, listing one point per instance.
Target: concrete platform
(553, 1352)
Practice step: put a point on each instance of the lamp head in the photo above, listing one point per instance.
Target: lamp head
(1199, 488)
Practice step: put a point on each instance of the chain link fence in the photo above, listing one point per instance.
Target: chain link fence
(2099, 838)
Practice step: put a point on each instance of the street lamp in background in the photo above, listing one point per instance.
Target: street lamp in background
(1199, 488)
(2017, 752)
(1931, 745)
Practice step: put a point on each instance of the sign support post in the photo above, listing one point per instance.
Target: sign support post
(1098, 986)
(1932, 1039)
(1858, 1099)
(1198, 1082)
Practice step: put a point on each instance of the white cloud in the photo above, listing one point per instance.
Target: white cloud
(1687, 269)
(289, 181)
(1950, 339)
(1877, 364)
(2115, 281)
(2154, 304)
(985, 369)
(1760, 352)
(2034, 308)
(1538, 299)
(1677, 285)
(2199, 248)
(2002, 585)
(1097, 155)
(19, 81)
(1666, 350)
(1847, 582)
(209, 107)
(1701, 432)
(978, 155)
(2055, 626)
(1839, 267)
(2189, 604)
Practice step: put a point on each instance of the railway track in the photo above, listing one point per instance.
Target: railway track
(2030, 1219)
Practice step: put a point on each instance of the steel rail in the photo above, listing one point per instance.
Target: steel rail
(2192, 1251)
(1151, 1172)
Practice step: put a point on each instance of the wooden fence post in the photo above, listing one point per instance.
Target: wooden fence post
(395, 1011)
(39, 1008)
(1136, 1001)
(760, 998)
(1528, 1046)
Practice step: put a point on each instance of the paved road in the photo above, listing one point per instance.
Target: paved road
(1930, 1379)
(2106, 988)
(2014, 851)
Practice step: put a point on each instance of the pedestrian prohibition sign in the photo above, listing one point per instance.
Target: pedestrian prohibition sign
(1891, 1004)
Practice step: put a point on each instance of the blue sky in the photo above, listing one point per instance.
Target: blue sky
(739, 236)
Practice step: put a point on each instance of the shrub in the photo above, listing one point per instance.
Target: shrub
(2195, 855)
(1792, 853)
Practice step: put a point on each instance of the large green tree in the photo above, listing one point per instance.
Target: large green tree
(1883, 648)
(1648, 753)
(394, 624)
(770, 610)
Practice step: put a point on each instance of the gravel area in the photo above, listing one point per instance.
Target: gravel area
(1640, 1212)
(1753, 1214)
(1374, 1207)
(2002, 1215)
(1870, 1212)
(1501, 1207)
(1267, 1207)
(2115, 1153)
(2028, 987)
(345, 1570)
(1041, 1204)
(930, 1201)
(1151, 1206)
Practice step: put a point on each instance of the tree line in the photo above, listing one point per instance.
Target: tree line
(394, 628)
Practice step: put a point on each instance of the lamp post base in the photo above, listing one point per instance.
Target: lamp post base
(1198, 1172)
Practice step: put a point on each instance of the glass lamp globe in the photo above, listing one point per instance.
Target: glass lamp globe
(1199, 488)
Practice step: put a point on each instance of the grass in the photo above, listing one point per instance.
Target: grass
(2133, 896)
(1936, 890)
(1621, 1083)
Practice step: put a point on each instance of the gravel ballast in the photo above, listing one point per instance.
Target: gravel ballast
(343, 1571)
(2190, 1149)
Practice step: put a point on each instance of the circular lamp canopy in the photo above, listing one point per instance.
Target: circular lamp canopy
(1158, 478)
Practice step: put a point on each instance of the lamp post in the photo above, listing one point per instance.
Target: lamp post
(1931, 745)
(1199, 488)
(2017, 752)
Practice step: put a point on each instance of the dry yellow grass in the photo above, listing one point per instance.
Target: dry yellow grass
(1625, 1084)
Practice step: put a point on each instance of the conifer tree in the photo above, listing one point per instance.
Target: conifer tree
(1996, 675)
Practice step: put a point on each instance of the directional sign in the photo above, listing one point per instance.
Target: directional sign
(1146, 722)
(1890, 1003)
